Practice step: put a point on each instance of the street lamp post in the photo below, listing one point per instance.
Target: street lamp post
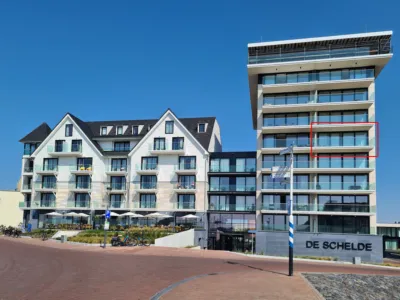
(290, 212)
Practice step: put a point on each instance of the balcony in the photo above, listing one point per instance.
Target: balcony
(46, 204)
(28, 170)
(185, 187)
(167, 149)
(325, 209)
(44, 187)
(80, 187)
(26, 188)
(348, 144)
(233, 169)
(274, 146)
(232, 188)
(117, 170)
(118, 205)
(81, 169)
(81, 204)
(320, 187)
(282, 227)
(115, 187)
(46, 170)
(146, 187)
(233, 207)
(145, 205)
(24, 204)
(147, 169)
(186, 169)
(190, 205)
(65, 150)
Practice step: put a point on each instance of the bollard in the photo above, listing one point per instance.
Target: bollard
(356, 260)
(63, 239)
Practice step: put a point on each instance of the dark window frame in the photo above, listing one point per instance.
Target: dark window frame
(200, 126)
(69, 129)
(171, 123)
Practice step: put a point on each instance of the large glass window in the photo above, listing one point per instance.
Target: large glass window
(285, 140)
(343, 224)
(50, 164)
(219, 165)
(149, 163)
(169, 127)
(119, 164)
(177, 143)
(345, 160)
(147, 201)
(187, 162)
(245, 184)
(186, 201)
(186, 182)
(276, 160)
(286, 99)
(121, 146)
(82, 200)
(280, 222)
(325, 75)
(219, 202)
(68, 129)
(343, 116)
(347, 139)
(118, 182)
(47, 200)
(148, 181)
(159, 144)
(115, 201)
(232, 222)
(49, 182)
(83, 182)
(286, 119)
(219, 184)
(343, 182)
(299, 182)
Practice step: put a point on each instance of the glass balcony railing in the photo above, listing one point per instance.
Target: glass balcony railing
(145, 204)
(64, 148)
(343, 229)
(79, 203)
(22, 204)
(232, 207)
(48, 203)
(82, 167)
(29, 151)
(334, 186)
(146, 166)
(232, 188)
(118, 168)
(343, 142)
(233, 169)
(80, 185)
(28, 169)
(115, 186)
(331, 207)
(184, 205)
(295, 121)
(49, 168)
(177, 146)
(46, 185)
(283, 227)
(188, 166)
(185, 185)
(333, 163)
(116, 204)
(232, 227)
(147, 185)
(27, 186)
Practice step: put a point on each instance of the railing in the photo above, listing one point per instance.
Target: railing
(147, 185)
(80, 185)
(295, 121)
(117, 149)
(283, 227)
(147, 166)
(145, 204)
(184, 205)
(117, 168)
(115, 186)
(64, 148)
(233, 169)
(116, 204)
(28, 169)
(166, 146)
(185, 185)
(334, 207)
(82, 167)
(231, 227)
(233, 207)
(282, 143)
(345, 186)
(232, 188)
(22, 204)
(46, 185)
(47, 203)
(343, 142)
(343, 229)
(79, 203)
(338, 163)
(318, 54)
(28, 152)
(188, 166)
(27, 186)
(51, 168)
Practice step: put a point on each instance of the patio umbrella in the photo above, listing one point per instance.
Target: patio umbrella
(157, 215)
(129, 215)
(71, 214)
(83, 215)
(54, 214)
(112, 214)
(190, 217)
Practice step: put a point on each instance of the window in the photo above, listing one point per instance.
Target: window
(115, 201)
(149, 163)
(202, 127)
(300, 182)
(285, 140)
(347, 139)
(47, 200)
(244, 203)
(177, 143)
(343, 182)
(49, 182)
(148, 181)
(219, 184)
(68, 129)
(30, 148)
(245, 183)
(286, 119)
(119, 164)
(76, 146)
(169, 127)
(103, 130)
(84, 163)
(186, 201)
(344, 116)
(232, 222)
(280, 222)
(82, 200)
(60, 146)
(147, 201)
(50, 164)
(187, 162)
(159, 144)
(135, 130)
(345, 160)
(186, 182)
(121, 146)
(219, 165)
(245, 164)
(83, 182)
(119, 130)
(219, 202)
(118, 183)
(339, 224)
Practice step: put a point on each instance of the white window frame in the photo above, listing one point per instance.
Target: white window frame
(101, 130)
(122, 130)
(205, 127)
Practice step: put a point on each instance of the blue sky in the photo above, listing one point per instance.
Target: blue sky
(103, 60)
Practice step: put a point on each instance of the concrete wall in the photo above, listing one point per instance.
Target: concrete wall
(190, 237)
(10, 214)
(321, 244)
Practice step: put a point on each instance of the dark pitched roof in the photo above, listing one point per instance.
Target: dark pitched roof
(92, 129)
(38, 134)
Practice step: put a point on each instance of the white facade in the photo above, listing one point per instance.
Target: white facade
(101, 190)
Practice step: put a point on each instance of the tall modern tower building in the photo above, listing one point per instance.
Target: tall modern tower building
(318, 94)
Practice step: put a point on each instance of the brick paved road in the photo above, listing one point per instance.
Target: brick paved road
(32, 269)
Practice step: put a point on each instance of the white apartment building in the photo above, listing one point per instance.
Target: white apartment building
(142, 166)
(329, 83)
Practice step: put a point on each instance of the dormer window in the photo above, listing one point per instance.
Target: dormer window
(202, 127)
(119, 130)
(149, 127)
(68, 129)
(135, 130)
(103, 130)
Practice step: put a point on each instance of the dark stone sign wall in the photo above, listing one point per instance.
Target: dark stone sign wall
(342, 246)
